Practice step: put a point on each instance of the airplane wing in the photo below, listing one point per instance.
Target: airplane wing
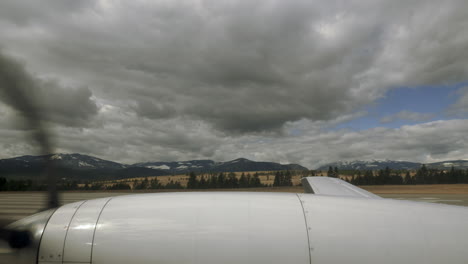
(334, 187)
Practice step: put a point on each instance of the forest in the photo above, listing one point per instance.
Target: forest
(223, 180)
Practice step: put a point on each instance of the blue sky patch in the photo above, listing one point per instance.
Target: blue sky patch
(430, 102)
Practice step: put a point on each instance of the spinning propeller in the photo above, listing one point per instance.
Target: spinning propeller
(16, 95)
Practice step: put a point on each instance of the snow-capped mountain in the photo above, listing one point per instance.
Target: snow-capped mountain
(457, 164)
(178, 166)
(240, 164)
(392, 164)
(70, 161)
(372, 165)
(87, 167)
(79, 161)
(78, 166)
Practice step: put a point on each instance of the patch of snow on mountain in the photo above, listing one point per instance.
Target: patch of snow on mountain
(56, 157)
(160, 167)
(182, 167)
(84, 164)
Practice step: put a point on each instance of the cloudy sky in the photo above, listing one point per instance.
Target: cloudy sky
(296, 81)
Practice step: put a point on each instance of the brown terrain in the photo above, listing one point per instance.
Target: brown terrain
(268, 178)
(418, 189)
(16, 205)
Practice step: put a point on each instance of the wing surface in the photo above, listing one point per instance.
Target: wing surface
(334, 187)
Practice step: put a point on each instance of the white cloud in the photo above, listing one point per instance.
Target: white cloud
(144, 140)
(433, 141)
(223, 79)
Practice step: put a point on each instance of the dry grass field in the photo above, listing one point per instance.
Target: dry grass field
(377, 189)
(266, 177)
(15, 205)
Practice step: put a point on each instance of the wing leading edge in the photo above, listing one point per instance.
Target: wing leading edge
(334, 187)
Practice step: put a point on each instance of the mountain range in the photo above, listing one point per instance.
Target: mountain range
(392, 164)
(78, 166)
(240, 164)
(84, 167)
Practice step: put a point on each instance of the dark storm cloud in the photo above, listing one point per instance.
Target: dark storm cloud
(43, 100)
(154, 110)
(27, 12)
(251, 68)
(67, 106)
(247, 67)
(15, 87)
(194, 79)
(239, 66)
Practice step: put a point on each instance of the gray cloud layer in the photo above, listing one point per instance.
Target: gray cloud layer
(49, 101)
(191, 78)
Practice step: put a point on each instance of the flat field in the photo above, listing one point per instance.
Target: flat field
(266, 177)
(418, 189)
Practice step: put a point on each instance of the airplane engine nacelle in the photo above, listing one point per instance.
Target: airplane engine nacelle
(237, 227)
(179, 228)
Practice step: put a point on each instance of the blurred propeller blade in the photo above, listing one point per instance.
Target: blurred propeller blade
(17, 89)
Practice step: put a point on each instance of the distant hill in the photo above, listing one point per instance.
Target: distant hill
(72, 166)
(372, 165)
(84, 167)
(177, 167)
(240, 164)
(457, 164)
(249, 165)
(392, 164)
(70, 161)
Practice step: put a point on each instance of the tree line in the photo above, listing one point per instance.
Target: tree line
(396, 177)
(200, 181)
(64, 185)
(223, 180)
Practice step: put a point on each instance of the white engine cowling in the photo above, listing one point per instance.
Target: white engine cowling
(239, 227)
(179, 228)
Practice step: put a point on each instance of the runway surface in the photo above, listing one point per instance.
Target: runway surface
(16, 205)
(453, 199)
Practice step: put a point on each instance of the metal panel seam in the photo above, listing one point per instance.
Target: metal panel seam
(306, 225)
(40, 240)
(66, 234)
(95, 227)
